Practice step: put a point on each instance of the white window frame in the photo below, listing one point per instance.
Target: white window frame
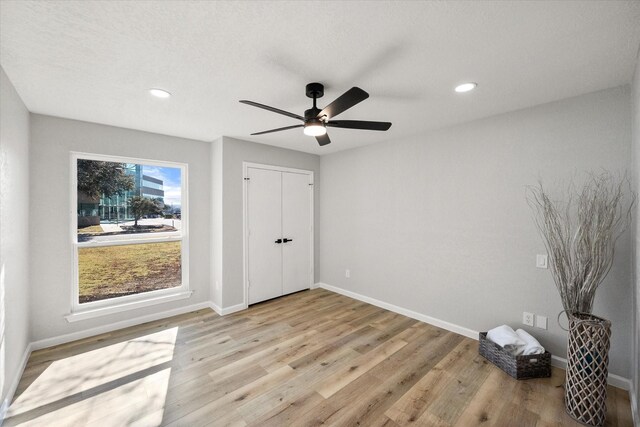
(129, 302)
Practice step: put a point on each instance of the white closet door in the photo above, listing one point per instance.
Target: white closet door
(296, 226)
(264, 211)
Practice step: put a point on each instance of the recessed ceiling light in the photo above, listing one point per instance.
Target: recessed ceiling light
(160, 93)
(466, 87)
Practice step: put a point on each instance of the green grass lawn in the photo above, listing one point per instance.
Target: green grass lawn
(112, 271)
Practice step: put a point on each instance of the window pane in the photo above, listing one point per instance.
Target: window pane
(115, 271)
(119, 201)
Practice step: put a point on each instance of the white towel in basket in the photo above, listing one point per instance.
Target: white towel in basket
(506, 338)
(532, 346)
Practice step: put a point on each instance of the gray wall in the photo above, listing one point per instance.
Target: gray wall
(234, 152)
(52, 140)
(439, 223)
(635, 357)
(216, 216)
(14, 234)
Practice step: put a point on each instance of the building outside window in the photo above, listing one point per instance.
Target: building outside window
(115, 208)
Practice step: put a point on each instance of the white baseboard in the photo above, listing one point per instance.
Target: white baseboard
(461, 330)
(316, 285)
(215, 308)
(49, 342)
(14, 383)
(614, 380)
(227, 310)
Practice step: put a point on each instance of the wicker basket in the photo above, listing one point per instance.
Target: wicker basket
(587, 367)
(519, 367)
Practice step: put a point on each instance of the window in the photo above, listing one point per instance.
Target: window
(129, 233)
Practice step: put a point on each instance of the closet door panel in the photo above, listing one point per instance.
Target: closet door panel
(296, 225)
(264, 211)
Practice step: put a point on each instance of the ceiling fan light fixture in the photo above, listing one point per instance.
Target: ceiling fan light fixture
(316, 120)
(466, 87)
(315, 128)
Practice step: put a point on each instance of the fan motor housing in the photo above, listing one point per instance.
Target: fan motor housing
(311, 116)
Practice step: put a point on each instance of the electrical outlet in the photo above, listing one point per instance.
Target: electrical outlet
(527, 318)
(541, 322)
(347, 273)
(542, 261)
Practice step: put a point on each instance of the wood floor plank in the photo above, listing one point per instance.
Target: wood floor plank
(359, 366)
(306, 379)
(260, 358)
(461, 386)
(364, 396)
(395, 376)
(289, 412)
(180, 404)
(429, 388)
(415, 360)
(492, 395)
(621, 401)
(308, 359)
(554, 392)
(231, 401)
(371, 395)
(295, 355)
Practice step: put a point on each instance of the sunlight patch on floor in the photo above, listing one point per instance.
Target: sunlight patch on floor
(126, 405)
(125, 378)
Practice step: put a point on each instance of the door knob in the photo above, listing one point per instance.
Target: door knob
(279, 241)
(287, 240)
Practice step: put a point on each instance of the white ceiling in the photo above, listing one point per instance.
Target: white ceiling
(94, 61)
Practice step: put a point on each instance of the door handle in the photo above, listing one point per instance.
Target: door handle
(279, 241)
(287, 240)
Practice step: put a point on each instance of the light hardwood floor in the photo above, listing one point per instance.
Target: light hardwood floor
(311, 358)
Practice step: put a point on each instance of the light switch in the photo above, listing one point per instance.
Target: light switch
(542, 261)
(541, 322)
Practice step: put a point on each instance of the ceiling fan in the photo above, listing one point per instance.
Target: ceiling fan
(316, 120)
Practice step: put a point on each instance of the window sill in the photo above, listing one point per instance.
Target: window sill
(118, 308)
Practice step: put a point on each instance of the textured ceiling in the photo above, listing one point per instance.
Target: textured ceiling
(94, 61)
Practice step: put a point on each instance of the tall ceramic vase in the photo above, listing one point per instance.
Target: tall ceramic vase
(587, 368)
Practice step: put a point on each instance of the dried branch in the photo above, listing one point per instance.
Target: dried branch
(580, 234)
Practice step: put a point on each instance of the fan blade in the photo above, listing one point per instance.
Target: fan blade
(273, 109)
(278, 130)
(359, 124)
(344, 102)
(323, 139)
